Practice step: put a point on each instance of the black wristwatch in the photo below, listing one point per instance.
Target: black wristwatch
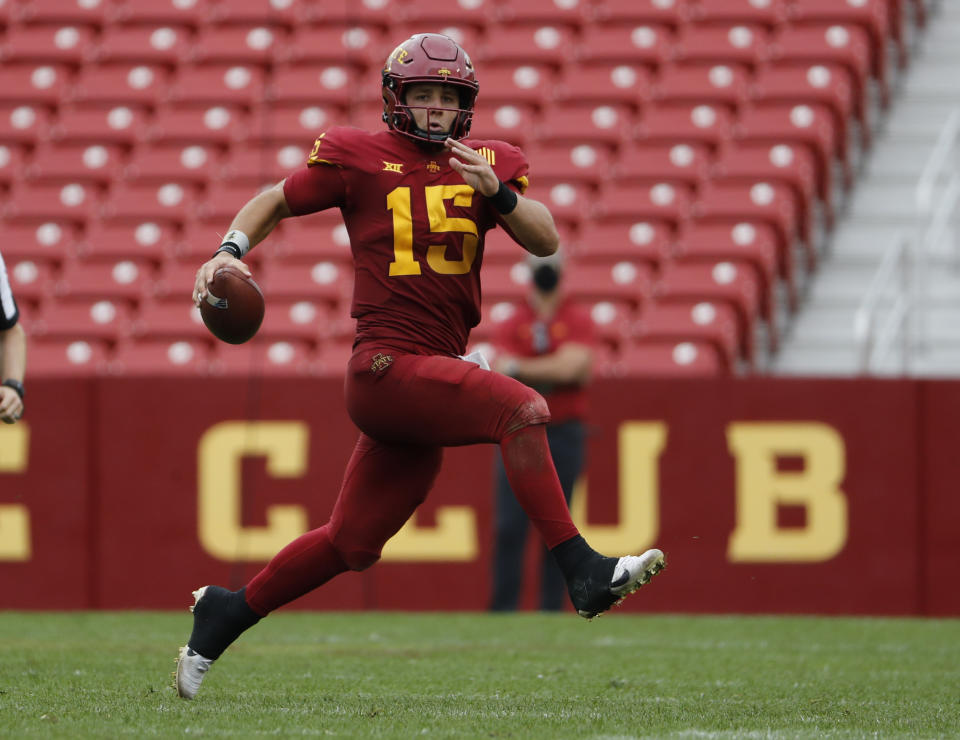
(16, 385)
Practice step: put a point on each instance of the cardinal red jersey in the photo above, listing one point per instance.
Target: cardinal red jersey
(416, 231)
(524, 334)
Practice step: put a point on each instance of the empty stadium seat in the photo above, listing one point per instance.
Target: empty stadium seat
(649, 45)
(579, 124)
(604, 83)
(222, 201)
(584, 163)
(570, 13)
(121, 124)
(286, 14)
(612, 320)
(120, 84)
(188, 125)
(252, 165)
(237, 44)
(262, 357)
(788, 163)
(161, 357)
(661, 202)
(382, 13)
(726, 282)
(190, 13)
(847, 45)
(671, 12)
(302, 321)
(570, 202)
(32, 278)
(651, 357)
(23, 124)
(32, 84)
(75, 202)
(766, 13)
(297, 123)
(67, 357)
(747, 45)
(516, 84)
(47, 44)
(693, 321)
(811, 126)
(84, 163)
(511, 123)
(48, 242)
(12, 160)
(92, 13)
(218, 84)
(195, 163)
(323, 281)
(349, 44)
(743, 243)
(625, 281)
(871, 15)
(770, 203)
(432, 15)
(650, 242)
(313, 84)
(170, 201)
(169, 319)
(332, 358)
(822, 84)
(506, 282)
(125, 279)
(520, 44)
(145, 240)
(104, 319)
(685, 124)
(716, 84)
(151, 45)
(688, 164)
(176, 278)
(319, 236)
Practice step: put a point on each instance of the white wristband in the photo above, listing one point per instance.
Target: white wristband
(239, 239)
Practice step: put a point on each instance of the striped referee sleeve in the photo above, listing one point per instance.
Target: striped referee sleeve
(8, 306)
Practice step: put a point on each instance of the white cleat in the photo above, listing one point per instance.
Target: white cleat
(630, 573)
(191, 666)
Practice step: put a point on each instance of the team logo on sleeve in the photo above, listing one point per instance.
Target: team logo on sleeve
(392, 166)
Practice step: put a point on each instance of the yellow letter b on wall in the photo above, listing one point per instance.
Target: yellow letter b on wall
(762, 488)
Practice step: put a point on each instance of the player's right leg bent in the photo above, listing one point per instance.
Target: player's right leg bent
(446, 401)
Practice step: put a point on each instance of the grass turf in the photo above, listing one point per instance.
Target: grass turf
(383, 675)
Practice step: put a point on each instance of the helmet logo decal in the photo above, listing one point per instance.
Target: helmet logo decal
(444, 72)
(392, 166)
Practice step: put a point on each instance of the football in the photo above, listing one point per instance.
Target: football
(234, 306)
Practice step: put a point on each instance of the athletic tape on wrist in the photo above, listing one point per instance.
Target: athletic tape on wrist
(238, 239)
(504, 200)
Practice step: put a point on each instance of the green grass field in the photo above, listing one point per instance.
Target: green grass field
(478, 676)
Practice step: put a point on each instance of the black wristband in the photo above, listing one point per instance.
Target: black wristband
(16, 385)
(229, 247)
(504, 200)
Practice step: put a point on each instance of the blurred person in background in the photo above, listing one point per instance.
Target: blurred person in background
(546, 344)
(13, 353)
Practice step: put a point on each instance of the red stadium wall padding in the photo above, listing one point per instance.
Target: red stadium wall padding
(768, 495)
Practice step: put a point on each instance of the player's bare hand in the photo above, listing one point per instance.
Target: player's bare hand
(473, 167)
(208, 268)
(11, 406)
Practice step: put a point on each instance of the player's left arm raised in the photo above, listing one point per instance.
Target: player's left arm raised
(529, 220)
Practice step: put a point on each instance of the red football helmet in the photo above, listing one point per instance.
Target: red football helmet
(428, 57)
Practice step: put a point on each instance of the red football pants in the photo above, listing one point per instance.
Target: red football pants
(408, 407)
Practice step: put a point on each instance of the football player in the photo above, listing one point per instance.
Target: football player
(417, 200)
(13, 353)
